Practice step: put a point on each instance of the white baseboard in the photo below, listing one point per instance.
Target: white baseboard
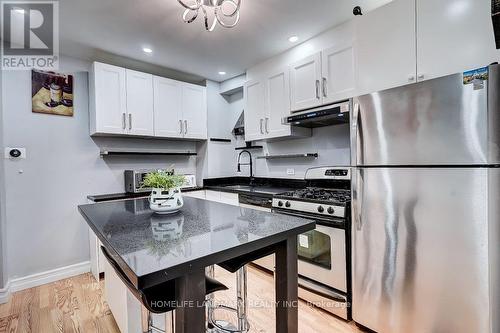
(5, 293)
(39, 279)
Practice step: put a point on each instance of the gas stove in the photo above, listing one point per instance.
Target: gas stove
(328, 195)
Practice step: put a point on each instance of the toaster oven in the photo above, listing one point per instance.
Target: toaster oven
(134, 181)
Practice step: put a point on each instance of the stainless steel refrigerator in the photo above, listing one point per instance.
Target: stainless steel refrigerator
(426, 206)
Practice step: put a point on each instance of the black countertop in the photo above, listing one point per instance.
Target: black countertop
(154, 248)
(246, 185)
(127, 195)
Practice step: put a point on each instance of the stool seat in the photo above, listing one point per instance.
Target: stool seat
(160, 298)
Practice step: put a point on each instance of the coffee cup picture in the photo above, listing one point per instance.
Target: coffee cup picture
(52, 93)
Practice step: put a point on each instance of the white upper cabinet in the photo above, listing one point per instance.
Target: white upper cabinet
(128, 102)
(385, 47)
(453, 36)
(278, 104)
(267, 102)
(255, 103)
(139, 103)
(305, 83)
(194, 111)
(338, 73)
(168, 108)
(109, 99)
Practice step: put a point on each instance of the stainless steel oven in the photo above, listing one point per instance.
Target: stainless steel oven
(323, 260)
(323, 253)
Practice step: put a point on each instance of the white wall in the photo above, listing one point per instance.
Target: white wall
(44, 229)
(219, 158)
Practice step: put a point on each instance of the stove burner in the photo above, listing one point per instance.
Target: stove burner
(320, 194)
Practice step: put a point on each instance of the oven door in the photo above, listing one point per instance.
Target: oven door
(322, 256)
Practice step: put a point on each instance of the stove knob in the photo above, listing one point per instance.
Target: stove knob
(330, 210)
(280, 203)
(321, 209)
(287, 204)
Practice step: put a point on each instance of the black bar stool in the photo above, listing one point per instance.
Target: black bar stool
(158, 299)
(238, 266)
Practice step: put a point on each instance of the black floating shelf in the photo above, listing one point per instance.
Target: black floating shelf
(144, 152)
(275, 157)
(251, 147)
(220, 140)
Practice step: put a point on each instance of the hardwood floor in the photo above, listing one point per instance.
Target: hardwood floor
(77, 305)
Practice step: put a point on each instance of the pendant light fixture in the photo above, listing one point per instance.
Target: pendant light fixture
(224, 12)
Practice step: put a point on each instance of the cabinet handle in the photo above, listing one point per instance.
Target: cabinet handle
(421, 76)
(180, 126)
(325, 92)
(185, 127)
(129, 121)
(411, 78)
(124, 121)
(267, 127)
(317, 90)
(261, 129)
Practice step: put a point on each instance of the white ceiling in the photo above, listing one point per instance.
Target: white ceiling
(124, 27)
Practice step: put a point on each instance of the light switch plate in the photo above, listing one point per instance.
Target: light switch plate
(21, 150)
(290, 172)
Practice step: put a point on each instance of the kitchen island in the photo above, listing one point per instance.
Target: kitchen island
(152, 249)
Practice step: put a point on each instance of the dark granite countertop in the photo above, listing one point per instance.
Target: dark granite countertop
(154, 248)
(126, 195)
(256, 185)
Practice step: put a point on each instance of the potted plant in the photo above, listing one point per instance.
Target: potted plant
(166, 194)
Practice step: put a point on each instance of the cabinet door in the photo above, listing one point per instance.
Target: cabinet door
(255, 104)
(453, 36)
(167, 108)
(305, 81)
(385, 47)
(109, 98)
(339, 73)
(194, 111)
(140, 103)
(278, 104)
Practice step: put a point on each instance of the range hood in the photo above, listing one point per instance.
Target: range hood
(239, 127)
(333, 114)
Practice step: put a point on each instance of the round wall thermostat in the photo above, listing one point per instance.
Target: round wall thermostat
(15, 153)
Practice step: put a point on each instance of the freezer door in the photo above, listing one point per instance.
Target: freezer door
(420, 249)
(436, 122)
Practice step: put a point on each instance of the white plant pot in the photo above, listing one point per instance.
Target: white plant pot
(164, 201)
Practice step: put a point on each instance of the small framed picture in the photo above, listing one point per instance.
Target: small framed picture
(52, 93)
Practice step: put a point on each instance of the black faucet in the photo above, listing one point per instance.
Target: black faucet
(250, 163)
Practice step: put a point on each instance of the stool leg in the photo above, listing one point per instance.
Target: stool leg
(210, 272)
(146, 320)
(242, 304)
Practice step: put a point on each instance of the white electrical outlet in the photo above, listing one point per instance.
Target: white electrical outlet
(290, 172)
(15, 153)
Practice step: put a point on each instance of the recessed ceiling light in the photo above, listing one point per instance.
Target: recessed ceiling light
(293, 39)
(147, 50)
(222, 73)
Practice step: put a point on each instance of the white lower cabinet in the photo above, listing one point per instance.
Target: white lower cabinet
(195, 194)
(126, 309)
(222, 197)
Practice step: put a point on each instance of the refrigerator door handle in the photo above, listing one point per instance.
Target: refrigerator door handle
(357, 197)
(354, 133)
